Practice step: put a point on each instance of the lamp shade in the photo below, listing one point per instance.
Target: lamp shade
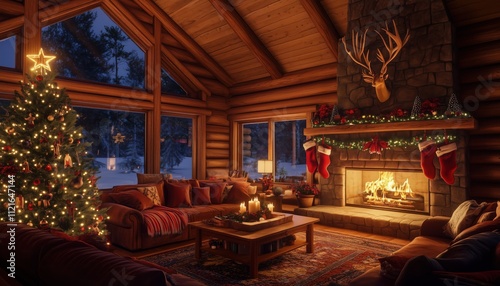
(265, 166)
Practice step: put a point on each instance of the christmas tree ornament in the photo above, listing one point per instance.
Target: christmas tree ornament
(48, 168)
(77, 182)
(19, 202)
(427, 153)
(41, 62)
(10, 130)
(36, 182)
(324, 152)
(7, 148)
(31, 120)
(447, 159)
(29, 223)
(57, 149)
(39, 77)
(70, 140)
(68, 162)
(44, 224)
(50, 118)
(26, 167)
(45, 202)
(31, 206)
(311, 160)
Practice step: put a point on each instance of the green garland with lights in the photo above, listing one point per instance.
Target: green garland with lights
(329, 116)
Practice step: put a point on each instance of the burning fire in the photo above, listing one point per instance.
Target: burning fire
(385, 190)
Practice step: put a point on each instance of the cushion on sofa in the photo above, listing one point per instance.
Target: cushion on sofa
(216, 191)
(463, 217)
(162, 220)
(201, 196)
(131, 198)
(177, 195)
(158, 185)
(238, 193)
(478, 228)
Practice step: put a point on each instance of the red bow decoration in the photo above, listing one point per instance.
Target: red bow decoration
(375, 146)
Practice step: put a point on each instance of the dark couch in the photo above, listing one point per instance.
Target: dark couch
(435, 240)
(43, 258)
(128, 221)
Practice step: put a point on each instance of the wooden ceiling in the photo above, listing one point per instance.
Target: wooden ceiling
(229, 47)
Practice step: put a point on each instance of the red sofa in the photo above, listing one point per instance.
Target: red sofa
(43, 258)
(434, 240)
(179, 204)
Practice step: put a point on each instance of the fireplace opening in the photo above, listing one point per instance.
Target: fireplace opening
(399, 190)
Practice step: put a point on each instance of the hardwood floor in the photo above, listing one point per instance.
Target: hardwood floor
(149, 252)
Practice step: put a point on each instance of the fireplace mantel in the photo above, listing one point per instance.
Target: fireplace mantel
(451, 123)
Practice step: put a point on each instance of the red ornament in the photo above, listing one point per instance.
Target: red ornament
(39, 77)
(36, 182)
(7, 148)
(48, 168)
(31, 206)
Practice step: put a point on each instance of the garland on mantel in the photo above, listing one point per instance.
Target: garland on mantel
(430, 109)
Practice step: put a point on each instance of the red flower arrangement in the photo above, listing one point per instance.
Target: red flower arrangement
(303, 188)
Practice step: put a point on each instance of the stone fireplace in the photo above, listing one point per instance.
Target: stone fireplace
(424, 68)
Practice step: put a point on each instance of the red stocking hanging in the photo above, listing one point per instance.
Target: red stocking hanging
(324, 160)
(427, 153)
(447, 159)
(311, 160)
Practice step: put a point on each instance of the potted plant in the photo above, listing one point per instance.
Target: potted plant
(305, 193)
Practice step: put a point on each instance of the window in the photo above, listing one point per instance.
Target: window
(288, 155)
(255, 147)
(8, 50)
(92, 47)
(169, 86)
(117, 144)
(176, 146)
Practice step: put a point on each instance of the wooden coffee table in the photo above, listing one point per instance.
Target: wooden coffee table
(246, 247)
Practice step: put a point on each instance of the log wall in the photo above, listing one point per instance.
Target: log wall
(478, 55)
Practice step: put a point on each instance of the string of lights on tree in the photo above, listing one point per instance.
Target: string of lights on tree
(52, 181)
(430, 109)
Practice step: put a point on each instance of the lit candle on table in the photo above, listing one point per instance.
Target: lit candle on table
(243, 208)
(251, 206)
(257, 204)
(270, 207)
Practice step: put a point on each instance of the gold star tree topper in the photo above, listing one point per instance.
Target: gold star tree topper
(41, 60)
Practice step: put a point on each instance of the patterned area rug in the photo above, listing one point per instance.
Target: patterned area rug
(336, 260)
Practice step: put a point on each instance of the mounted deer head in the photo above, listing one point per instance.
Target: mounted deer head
(393, 45)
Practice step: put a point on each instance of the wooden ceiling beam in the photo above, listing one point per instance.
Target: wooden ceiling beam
(129, 23)
(246, 34)
(60, 12)
(182, 37)
(323, 72)
(323, 24)
(181, 69)
(291, 92)
(8, 26)
(11, 8)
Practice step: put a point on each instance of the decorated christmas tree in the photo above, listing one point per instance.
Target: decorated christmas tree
(47, 175)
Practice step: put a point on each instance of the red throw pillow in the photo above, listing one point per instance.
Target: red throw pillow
(132, 199)
(177, 195)
(238, 193)
(216, 191)
(201, 196)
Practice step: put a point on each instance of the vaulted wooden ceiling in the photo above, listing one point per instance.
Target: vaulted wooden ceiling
(232, 47)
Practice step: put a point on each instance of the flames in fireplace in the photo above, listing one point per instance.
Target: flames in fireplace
(385, 191)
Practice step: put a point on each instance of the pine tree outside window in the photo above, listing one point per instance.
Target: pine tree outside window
(176, 146)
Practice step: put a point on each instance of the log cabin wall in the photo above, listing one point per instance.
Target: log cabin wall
(478, 54)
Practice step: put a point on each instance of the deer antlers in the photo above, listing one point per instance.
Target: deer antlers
(393, 45)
